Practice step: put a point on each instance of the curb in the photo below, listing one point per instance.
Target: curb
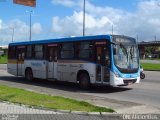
(62, 111)
(151, 70)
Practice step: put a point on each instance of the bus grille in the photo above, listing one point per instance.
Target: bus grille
(127, 81)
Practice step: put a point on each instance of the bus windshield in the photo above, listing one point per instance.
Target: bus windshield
(126, 57)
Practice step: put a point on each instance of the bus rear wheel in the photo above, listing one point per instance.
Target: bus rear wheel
(84, 81)
(29, 75)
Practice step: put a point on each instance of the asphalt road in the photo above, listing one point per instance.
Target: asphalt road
(146, 93)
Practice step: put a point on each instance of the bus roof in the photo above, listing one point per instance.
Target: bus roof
(69, 39)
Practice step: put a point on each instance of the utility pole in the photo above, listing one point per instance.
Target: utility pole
(12, 34)
(84, 6)
(155, 38)
(112, 29)
(137, 38)
(30, 22)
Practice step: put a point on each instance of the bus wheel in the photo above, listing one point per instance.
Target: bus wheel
(29, 75)
(84, 81)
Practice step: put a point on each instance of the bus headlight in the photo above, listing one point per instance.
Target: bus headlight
(116, 74)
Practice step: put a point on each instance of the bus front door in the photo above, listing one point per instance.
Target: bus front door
(52, 62)
(103, 63)
(20, 60)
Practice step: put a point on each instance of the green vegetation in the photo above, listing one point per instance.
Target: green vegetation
(3, 59)
(150, 66)
(21, 96)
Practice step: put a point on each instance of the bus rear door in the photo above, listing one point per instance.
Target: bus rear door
(20, 60)
(52, 61)
(103, 62)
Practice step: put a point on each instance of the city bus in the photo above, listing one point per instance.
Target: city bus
(100, 60)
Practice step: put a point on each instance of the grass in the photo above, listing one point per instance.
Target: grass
(21, 96)
(3, 59)
(150, 66)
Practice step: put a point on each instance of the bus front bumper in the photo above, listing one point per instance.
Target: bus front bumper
(118, 81)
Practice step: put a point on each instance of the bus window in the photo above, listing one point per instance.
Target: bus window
(106, 56)
(39, 51)
(52, 54)
(29, 51)
(21, 53)
(99, 54)
(67, 51)
(102, 53)
(85, 50)
(12, 52)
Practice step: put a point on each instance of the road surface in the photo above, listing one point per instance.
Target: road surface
(145, 93)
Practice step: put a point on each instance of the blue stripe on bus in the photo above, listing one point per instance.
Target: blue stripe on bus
(69, 39)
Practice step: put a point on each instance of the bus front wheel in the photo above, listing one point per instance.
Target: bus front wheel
(84, 81)
(29, 75)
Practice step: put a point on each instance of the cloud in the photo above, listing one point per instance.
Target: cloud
(21, 31)
(67, 3)
(0, 24)
(144, 21)
(72, 26)
(36, 28)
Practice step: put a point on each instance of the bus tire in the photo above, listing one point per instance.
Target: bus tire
(84, 81)
(142, 75)
(29, 74)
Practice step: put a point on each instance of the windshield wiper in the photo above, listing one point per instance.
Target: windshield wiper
(132, 49)
(121, 45)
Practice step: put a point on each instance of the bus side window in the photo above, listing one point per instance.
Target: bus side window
(19, 56)
(99, 54)
(39, 51)
(23, 56)
(85, 51)
(55, 55)
(50, 54)
(67, 51)
(107, 56)
(12, 52)
(29, 51)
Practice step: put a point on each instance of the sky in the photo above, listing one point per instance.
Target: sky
(64, 18)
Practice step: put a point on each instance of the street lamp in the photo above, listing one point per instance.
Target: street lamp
(30, 18)
(84, 5)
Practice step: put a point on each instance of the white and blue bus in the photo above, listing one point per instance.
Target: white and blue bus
(102, 59)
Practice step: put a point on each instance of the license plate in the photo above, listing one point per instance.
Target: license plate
(130, 83)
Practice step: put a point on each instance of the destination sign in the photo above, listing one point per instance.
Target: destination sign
(124, 40)
(21, 46)
(52, 45)
(100, 43)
